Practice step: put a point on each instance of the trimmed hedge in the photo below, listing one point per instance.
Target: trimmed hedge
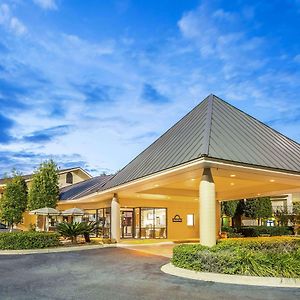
(255, 231)
(276, 257)
(28, 240)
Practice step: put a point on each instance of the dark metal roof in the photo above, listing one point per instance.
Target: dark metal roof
(83, 188)
(215, 129)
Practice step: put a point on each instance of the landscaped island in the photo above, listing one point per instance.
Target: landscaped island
(272, 256)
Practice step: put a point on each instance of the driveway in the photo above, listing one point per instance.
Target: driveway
(112, 273)
(161, 249)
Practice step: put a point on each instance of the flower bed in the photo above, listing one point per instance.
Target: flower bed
(28, 240)
(276, 257)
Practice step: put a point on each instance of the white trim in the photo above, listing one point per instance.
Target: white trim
(202, 162)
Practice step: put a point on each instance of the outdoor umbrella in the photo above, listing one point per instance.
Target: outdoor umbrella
(45, 211)
(73, 212)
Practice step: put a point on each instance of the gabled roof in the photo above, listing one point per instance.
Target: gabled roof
(28, 177)
(214, 129)
(62, 171)
(83, 188)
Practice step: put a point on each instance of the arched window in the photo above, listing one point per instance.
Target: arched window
(69, 178)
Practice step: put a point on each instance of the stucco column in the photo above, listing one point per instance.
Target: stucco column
(207, 207)
(115, 218)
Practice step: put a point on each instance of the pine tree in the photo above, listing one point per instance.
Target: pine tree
(14, 200)
(44, 189)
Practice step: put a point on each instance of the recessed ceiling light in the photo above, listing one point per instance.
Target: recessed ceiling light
(156, 185)
(272, 180)
(232, 175)
(231, 183)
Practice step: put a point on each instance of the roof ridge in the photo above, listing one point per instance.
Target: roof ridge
(156, 140)
(206, 142)
(255, 119)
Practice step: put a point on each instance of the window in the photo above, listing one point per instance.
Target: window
(153, 223)
(69, 178)
(190, 220)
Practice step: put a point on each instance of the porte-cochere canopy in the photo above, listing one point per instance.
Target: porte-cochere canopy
(243, 157)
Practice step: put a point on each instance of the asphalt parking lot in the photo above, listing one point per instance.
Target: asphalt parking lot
(112, 273)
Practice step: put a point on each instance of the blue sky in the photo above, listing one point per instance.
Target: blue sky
(92, 83)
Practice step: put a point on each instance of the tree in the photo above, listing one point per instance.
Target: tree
(229, 208)
(282, 216)
(14, 200)
(258, 208)
(234, 210)
(44, 189)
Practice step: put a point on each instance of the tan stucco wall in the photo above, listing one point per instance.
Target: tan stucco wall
(174, 230)
(27, 220)
(296, 197)
(78, 176)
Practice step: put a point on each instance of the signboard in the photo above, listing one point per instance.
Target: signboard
(177, 219)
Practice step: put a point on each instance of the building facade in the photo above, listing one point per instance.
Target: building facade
(174, 188)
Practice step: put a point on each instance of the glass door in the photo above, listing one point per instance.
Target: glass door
(147, 223)
(160, 223)
(127, 223)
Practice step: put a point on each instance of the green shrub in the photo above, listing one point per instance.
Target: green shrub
(28, 240)
(277, 257)
(255, 231)
(266, 230)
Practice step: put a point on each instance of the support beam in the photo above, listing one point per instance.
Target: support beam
(115, 218)
(207, 209)
(218, 218)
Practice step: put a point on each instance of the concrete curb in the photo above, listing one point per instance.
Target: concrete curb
(55, 250)
(231, 279)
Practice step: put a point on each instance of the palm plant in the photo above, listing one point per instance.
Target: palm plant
(73, 230)
(70, 230)
(87, 229)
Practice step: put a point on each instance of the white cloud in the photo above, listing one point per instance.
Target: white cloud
(11, 22)
(297, 58)
(4, 14)
(46, 4)
(17, 26)
(219, 36)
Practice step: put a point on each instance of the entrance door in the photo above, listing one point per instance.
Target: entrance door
(127, 224)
